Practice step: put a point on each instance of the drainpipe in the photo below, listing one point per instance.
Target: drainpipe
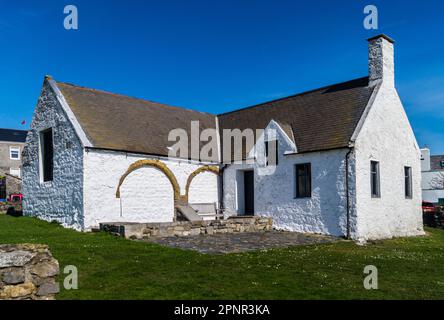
(221, 177)
(347, 161)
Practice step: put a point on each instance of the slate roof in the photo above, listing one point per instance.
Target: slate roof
(12, 135)
(320, 119)
(317, 120)
(118, 122)
(435, 163)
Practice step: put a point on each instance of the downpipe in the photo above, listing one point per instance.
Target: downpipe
(347, 187)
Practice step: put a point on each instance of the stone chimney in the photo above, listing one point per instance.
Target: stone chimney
(381, 60)
(425, 159)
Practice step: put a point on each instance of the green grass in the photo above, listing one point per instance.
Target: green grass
(115, 268)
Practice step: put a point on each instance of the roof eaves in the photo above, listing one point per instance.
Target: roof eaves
(72, 118)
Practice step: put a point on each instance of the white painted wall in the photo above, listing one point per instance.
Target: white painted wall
(387, 137)
(62, 199)
(204, 188)
(324, 212)
(147, 195)
(428, 193)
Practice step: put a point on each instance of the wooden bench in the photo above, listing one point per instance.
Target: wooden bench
(208, 211)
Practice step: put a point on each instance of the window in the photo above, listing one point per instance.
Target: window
(375, 179)
(303, 180)
(46, 155)
(14, 153)
(442, 164)
(15, 172)
(408, 182)
(271, 146)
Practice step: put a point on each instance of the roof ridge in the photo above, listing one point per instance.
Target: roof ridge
(160, 104)
(10, 129)
(291, 96)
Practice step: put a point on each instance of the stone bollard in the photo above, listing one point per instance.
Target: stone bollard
(28, 272)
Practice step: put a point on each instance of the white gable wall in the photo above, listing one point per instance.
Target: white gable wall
(146, 194)
(386, 136)
(60, 200)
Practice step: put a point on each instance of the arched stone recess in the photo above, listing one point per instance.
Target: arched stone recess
(156, 164)
(211, 169)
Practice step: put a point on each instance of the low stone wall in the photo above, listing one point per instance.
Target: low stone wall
(3, 207)
(186, 228)
(28, 272)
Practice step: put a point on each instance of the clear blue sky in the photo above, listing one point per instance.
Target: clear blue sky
(216, 56)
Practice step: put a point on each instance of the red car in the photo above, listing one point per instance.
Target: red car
(428, 208)
(15, 198)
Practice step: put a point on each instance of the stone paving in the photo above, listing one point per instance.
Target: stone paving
(241, 242)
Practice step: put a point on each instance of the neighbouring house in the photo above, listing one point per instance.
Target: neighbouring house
(432, 168)
(11, 146)
(348, 163)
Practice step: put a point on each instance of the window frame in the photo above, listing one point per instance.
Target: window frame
(376, 194)
(308, 182)
(267, 142)
(43, 177)
(18, 170)
(408, 182)
(14, 149)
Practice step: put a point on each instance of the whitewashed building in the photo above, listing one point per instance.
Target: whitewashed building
(432, 168)
(348, 163)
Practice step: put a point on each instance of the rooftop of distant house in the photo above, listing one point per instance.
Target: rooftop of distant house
(13, 135)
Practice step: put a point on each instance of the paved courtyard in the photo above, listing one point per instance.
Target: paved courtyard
(241, 242)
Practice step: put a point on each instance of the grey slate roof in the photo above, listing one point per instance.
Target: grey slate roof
(118, 122)
(435, 163)
(13, 135)
(320, 119)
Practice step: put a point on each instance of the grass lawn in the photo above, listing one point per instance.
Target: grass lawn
(115, 268)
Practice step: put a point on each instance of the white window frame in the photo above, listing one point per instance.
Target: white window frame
(14, 149)
(12, 172)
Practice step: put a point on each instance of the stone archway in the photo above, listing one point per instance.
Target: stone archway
(212, 169)
(156, 164)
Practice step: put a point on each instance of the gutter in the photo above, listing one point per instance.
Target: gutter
(347, 187)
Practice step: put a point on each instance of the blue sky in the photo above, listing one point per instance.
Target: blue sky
(217, 56)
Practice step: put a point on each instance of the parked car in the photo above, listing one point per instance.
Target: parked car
(15, 198)
(428, 208)
(433, 216)
(15, 205)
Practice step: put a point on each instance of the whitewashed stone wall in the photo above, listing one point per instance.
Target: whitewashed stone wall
(146, 194)
(204, 189)
(387, 137)
(428, 193)
(274, 194)
(61, 199)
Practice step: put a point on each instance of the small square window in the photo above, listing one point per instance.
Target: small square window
(15, 172)
(303, 180)
(442, 164)
(14, 153)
